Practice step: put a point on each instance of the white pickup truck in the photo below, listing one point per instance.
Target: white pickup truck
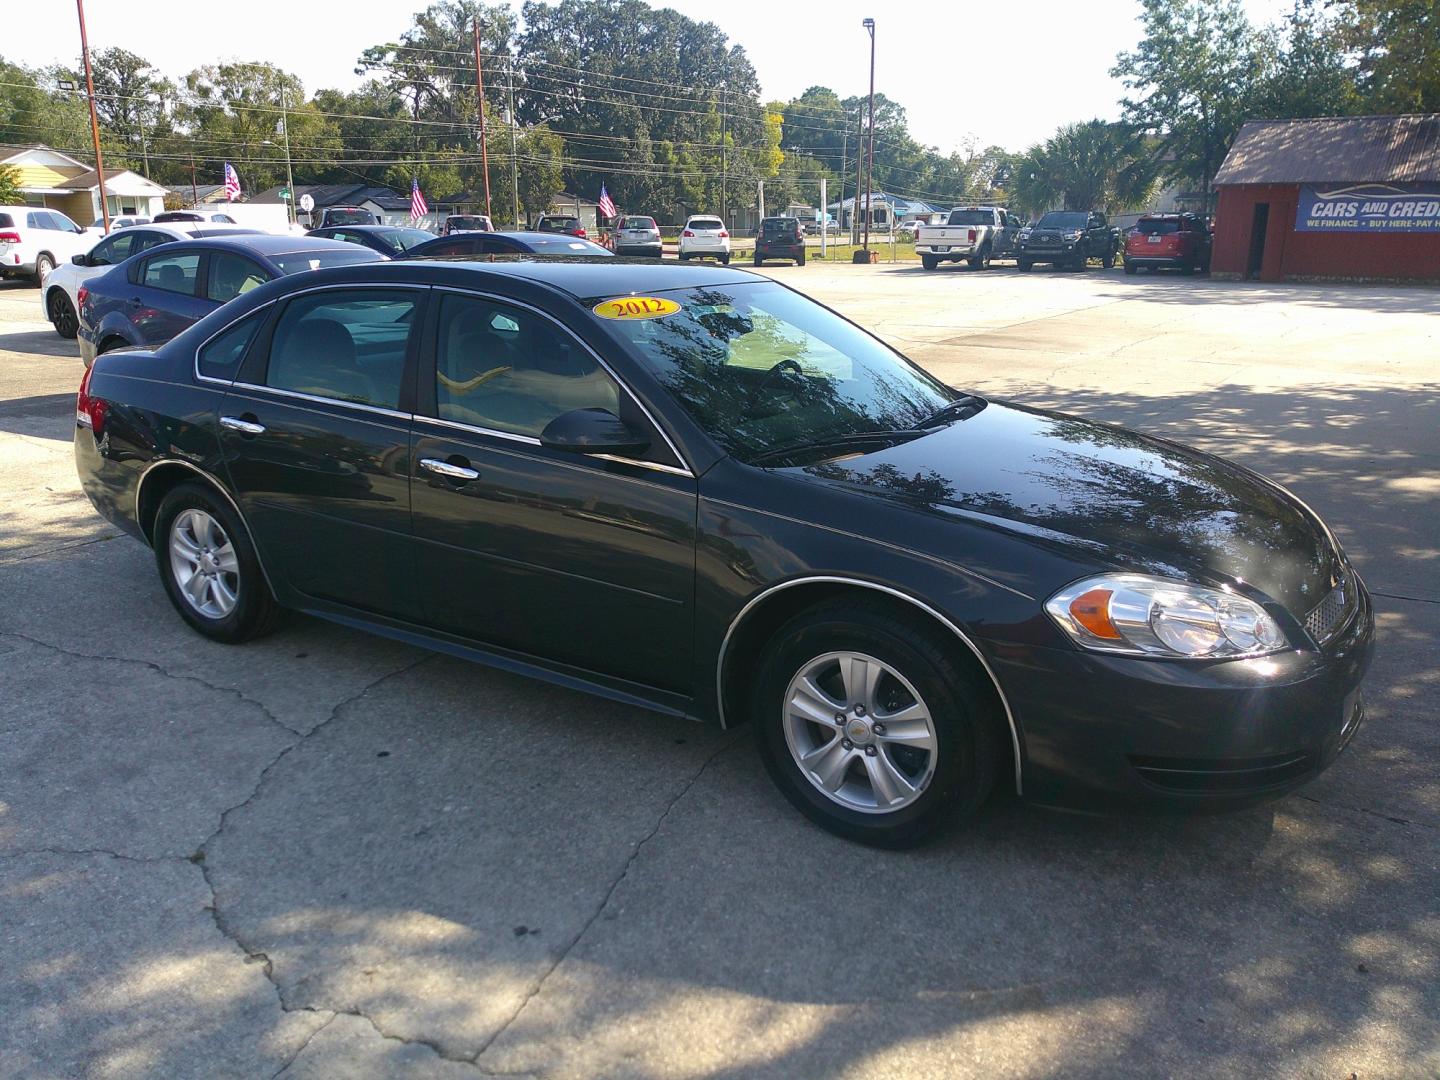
(976, 234)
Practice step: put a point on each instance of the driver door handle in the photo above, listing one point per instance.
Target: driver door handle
(245, 427)
(447, 470)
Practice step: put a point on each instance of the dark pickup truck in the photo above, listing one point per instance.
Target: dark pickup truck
(1068, 237)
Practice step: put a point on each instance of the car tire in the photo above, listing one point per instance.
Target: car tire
(1188, 268)
(684, 257)
(1130, 267)
(801, 260)
(43, 265)
(1108, 262)
(980, 261)
(725, 259)
(1024, 265)
(209, 567)
(1081, 263)
(929, 262)
(757, 261)
(62, 314)
(936, 778)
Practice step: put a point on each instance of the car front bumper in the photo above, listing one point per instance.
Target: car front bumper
(1050, 251)
(1105, 732)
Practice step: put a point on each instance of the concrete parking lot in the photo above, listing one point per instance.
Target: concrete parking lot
(324, 854)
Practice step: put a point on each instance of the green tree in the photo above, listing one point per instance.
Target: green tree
(31, 114)
(1089, 166)
(10, 185)
(1309, 73)
(1397, 49)
(1193, 77)
(129, 102)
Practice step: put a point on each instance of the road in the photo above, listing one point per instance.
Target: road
(324, 854)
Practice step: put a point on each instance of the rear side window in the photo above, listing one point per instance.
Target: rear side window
(219, 358)
(6, 221)
(232, 275)
(344, 344)
(173, 273)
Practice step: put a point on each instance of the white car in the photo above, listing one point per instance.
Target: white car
(910, 228)
(183, 217)
(34, 240)
(463, 223)
(705, 236)
(118, 223)
(59, 292)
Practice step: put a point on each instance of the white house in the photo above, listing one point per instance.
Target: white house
(60, 182)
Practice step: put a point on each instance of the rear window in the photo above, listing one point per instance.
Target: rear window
(779, 225)
(971, 217)
(638, 223)
(561, 223)
(1157, 226)
(295, 262)
(706, 223)
(175, 215)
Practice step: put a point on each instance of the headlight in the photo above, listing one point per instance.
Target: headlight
(1073, 234)
(1024, 234)
(1148, 616)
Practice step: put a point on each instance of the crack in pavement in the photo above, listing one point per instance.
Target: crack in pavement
(604, 901)
(59, 549)
(1366, 810)
(239, 695)
(144, 859)
(303, 1047)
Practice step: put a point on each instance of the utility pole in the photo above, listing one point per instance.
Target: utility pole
(869, 25)
(724, 159)
(844, 139)
(194, 198)
(289, 175)
(859, 175)
(94, 123)
(480, 102)
(514, 153)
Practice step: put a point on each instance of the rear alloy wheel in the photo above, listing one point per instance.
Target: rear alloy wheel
(870, 727)
(43, 265)
(725, 259)
(209, 568)
(62, 314)
(980, 261)
(929, 262)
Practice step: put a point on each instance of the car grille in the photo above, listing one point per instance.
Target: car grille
(1048, 238)
(1330, 615)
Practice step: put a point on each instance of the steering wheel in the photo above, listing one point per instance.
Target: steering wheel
(774, 378)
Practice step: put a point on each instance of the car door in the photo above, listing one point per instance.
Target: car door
(315, 433)
(164, 295)
(583, 560)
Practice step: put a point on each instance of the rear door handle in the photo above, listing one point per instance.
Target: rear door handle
(245, 427)
(447, 470)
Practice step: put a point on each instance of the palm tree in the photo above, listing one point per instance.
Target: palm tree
(1091, 166)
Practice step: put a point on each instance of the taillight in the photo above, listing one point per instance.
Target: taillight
(972, 236)
(687, 232)
(724, 235)
(9, 238)
(90, 411)
(81, 295)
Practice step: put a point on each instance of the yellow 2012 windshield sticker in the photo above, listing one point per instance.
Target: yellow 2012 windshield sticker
(636, 307)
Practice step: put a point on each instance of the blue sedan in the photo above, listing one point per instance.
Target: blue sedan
(148, 299)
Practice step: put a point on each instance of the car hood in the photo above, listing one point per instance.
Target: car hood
(1106, 494)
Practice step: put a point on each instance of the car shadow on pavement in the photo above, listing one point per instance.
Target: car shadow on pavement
(38, 343)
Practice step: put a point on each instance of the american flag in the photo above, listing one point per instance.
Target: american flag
(418, 207)
(607, 204)
(232, 182)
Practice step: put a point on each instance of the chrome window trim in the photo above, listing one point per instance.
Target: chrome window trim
(689, 469)
(195, 361)
(218, 486)
(474, 429)
(862, 583)
(394, 414)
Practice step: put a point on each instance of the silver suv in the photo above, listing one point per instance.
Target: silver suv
(636, 235)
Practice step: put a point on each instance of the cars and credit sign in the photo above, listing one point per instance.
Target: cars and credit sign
(1369, 208)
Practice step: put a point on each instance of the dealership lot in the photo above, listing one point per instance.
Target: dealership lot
(325, 852)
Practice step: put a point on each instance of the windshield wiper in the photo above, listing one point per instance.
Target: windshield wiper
(834, 442)
(962, 408)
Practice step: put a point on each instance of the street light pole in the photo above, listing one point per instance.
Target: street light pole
(289, 175)
(94, 123)
(480, 103)
(869, 25)
(514, 152)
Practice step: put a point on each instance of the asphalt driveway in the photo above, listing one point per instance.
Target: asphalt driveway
(324, 854)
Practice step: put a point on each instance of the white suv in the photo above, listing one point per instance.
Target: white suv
(34, 240)
(705, 235)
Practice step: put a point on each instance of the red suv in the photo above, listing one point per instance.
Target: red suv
(1168, 241)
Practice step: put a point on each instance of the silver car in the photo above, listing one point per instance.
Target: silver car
(636, 235)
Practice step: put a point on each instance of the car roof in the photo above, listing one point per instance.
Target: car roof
(264, 243)
(361, 229)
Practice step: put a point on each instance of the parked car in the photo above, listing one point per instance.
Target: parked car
(636, 234)
(148, 299)
(779, 238)
(704, 236)
(119, 222)
(698, 491)
(503, 243)
(1067, 238)
(1168, 241)
(908, 230)
(60, 293)
(388, 240)
(33, 241)
(462, 223)
(976, 234)
(559, 223)
(342, 215)
(182, 217)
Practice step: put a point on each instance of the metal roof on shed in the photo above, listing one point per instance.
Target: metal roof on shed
(1394, 149)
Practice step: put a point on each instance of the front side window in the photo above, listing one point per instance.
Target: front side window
(173, 273)
(232, 275)
(116, 249)
(145, 239)
(220, 357)
(344, 344)
(507, 369)
(762, 369)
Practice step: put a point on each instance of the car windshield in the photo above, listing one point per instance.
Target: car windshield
(404, 239)
(706, 223)
(478, 224)
(1157, 226)
(1064, 219)
(761, 368)
(971, 217)
(348, 217)
(294, 262)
